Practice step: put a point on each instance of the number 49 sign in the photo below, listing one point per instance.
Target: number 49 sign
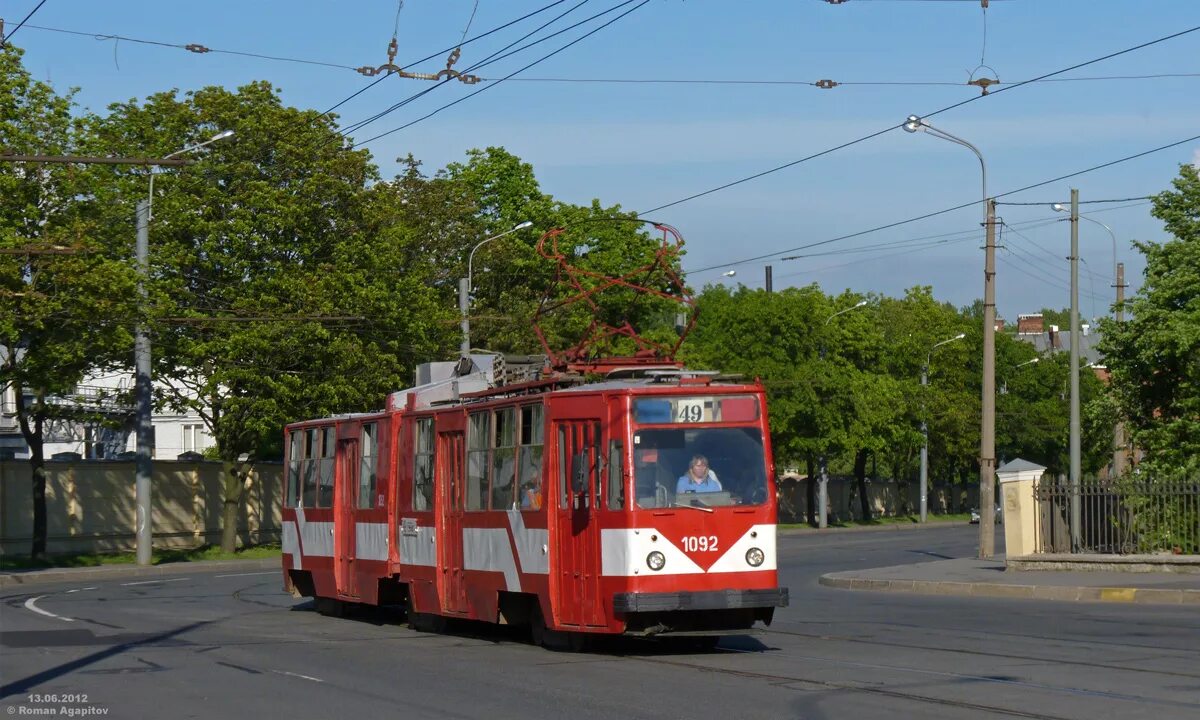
(690, 411)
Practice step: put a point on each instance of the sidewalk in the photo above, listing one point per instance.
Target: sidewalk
(19, 578)
(971, 577)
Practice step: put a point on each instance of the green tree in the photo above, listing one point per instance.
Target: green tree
(1154, 357)
(64, 294)
(276, 294)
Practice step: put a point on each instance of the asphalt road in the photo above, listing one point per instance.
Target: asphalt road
(234, 645)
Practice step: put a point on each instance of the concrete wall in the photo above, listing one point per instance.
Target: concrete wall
(91, 506)
(886, 498)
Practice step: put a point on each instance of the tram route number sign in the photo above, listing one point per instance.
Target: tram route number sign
(693, 410)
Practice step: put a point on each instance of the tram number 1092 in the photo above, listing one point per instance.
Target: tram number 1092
(700, 543)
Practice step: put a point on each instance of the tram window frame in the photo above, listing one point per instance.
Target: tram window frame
(503, 458)
(295, 458)
(423, 457)
(479, 448)
(530, 455)
(309, 472)
(325, 468)
(616, 475)
(368, 465)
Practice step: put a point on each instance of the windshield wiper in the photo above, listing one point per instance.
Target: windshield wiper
(701, 508)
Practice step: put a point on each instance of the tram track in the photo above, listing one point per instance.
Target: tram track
(779, 679)
(981, 653)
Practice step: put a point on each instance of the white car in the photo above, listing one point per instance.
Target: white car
(975, 515)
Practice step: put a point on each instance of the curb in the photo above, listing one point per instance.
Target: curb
(1027, 592)
(88, 574)
(869, 528)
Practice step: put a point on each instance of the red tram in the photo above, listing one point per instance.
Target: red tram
(563, 502)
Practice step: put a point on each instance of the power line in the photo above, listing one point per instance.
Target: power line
(926, 115)
(5, 38)
(1083, 202)
(515, 72)
(353, 127)
(947, 210)
(825, 84)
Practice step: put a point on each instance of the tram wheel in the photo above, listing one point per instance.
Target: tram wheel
(704, 642)
(427, 622)
(330, 607)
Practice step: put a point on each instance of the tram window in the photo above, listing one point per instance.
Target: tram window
(504, 457)
(366, 472)
(533, 440)
(295, 456)
(423, 465)
(325, 469)
(478, 442)
(616, 473)
(311, 454)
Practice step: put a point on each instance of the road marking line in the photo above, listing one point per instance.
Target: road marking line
(269, 572)
(292, 674)
(150, 582)
(31, 604)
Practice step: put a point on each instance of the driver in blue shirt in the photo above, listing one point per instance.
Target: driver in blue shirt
(698, 479)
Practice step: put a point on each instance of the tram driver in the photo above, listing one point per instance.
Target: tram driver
(699, 478)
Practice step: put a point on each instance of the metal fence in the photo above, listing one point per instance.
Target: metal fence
(1125, 516)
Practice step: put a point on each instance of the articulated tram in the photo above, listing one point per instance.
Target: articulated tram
(562, 503)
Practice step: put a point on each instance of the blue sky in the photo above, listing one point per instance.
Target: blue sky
(647, 145)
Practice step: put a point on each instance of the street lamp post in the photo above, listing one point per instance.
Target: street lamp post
(823, 478)
(924, 489)
(1059, 207)
(144, 464)
(987, 440)
(464, 288)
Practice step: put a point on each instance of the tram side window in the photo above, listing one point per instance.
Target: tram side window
(366, 471)
(311, 455)
(616, 476)
(295, 457)
(504, 457)
(533, 441)
(479, 438)
(423, 465)
(325, 469)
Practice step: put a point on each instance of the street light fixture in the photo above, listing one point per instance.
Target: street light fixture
(823, 480)
(144, 464)
(465, 287)
(729, 273)
(1059, 207)
(925, 428)
(987, 440)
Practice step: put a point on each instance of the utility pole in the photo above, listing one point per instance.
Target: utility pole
(1075, 445)
(767, 283)
(987, 443)
(145, 426)
(1120, 459)
(464, 293)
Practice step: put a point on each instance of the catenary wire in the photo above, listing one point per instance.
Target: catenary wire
(354, 127)
(946, 210)
(4, 40)
(926, 115)
(515, 72)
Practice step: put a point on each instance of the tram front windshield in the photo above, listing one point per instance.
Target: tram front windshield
(699, 467)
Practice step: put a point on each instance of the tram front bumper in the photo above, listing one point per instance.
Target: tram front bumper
(701, 600)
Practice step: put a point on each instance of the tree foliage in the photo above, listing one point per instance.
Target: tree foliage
(65, 293)
(1154, 357)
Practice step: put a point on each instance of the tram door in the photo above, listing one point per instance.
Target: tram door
(345, 503)
(449, 486)
(578, 530)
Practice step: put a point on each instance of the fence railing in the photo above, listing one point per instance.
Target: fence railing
(1123, 516)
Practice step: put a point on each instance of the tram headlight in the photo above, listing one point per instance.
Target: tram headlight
(755, 557)
(656, 560)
